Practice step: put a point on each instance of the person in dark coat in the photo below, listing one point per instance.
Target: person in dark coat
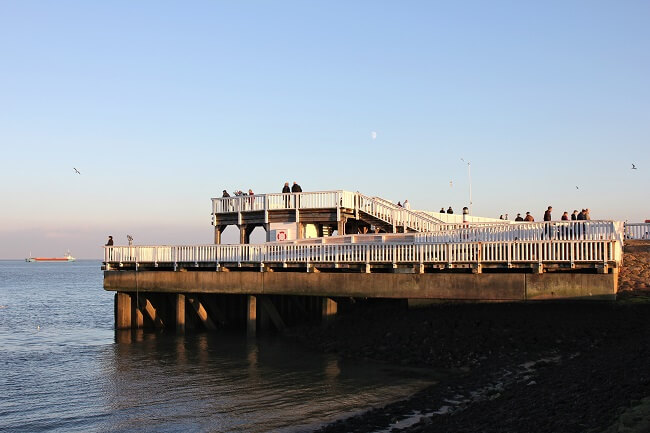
(442, 210)
(547, 214)
(565, 216)
(296, 188)
(581, 215)
(574, 215)
(225, 194)
(519, 218)
(110, 241)
(450, 210)
(285, 188)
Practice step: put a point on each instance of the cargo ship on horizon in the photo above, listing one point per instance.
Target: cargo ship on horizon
(66, 258)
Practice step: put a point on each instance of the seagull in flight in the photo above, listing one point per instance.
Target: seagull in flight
(633, 167)
(76, 171)
(577, 187)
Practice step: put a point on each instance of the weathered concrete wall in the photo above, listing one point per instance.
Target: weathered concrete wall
(571, 286)
(452, 286)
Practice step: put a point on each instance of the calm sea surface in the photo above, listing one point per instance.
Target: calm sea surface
(64, 368)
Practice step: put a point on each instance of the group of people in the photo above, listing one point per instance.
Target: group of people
(237, 193)
(294, 188)
(449, 210)
(285, 190)
(575, 216)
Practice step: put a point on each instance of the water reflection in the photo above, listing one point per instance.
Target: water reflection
(224, 382)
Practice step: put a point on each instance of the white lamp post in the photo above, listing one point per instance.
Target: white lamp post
(469, 175)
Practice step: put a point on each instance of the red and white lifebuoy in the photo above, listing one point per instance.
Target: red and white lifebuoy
(281, 236)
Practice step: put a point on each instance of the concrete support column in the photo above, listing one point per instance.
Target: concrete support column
(341, 226)
(180, 312)
(267, 228)
(251, 315)
(328, 309)
(137, 319)
(245, 231)
(122, 310)
(218, 230)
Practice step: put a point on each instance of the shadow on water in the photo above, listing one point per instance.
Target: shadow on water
(227, 382)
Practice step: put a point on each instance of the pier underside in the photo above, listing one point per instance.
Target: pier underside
(262, 300)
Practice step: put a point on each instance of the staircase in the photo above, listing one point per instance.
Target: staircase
(392, 218)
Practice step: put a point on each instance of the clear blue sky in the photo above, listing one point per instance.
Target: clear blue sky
(163, 104)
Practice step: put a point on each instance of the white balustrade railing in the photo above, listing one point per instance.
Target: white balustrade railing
(637, 230)
(265, 202)
(554, 230)
(531, 251)
(396, 215)
(377, 207)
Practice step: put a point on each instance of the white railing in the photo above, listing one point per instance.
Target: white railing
(637, 230)
(265, 202)
(555, 230)
(395, 215)
(537, 251)
(458, 218)
(374, 206)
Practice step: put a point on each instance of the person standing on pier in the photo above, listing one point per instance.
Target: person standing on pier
(296, 188)
(565, 216)
(547, 214)
(529, 218)
(574, 215)
(519, 218)
(286, 190)
(407, 205)
(450, 210)
(110, 241)
(225, 194)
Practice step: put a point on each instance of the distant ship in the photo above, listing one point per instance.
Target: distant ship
(66, 258)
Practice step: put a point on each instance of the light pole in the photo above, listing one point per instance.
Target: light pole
(469, 176)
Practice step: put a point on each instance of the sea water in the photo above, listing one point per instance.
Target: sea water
(64, 368)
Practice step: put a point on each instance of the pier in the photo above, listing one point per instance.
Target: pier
(379, 251)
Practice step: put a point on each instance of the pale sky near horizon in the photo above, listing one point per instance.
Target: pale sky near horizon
(163, 104)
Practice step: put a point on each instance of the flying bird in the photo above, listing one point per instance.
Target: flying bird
(633, 167)
(76, 171)
(577, 187)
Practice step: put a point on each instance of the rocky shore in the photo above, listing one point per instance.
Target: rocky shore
(545, 367)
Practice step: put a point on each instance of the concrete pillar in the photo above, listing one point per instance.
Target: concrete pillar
(122, 310)
(242, 234)
(218, 230)
(267, 228)
(251, 315)
(137, 319)
(201, 312)
(180, 312)
(341, 226)
(268, 314)
(300, 231)
(328, 309)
